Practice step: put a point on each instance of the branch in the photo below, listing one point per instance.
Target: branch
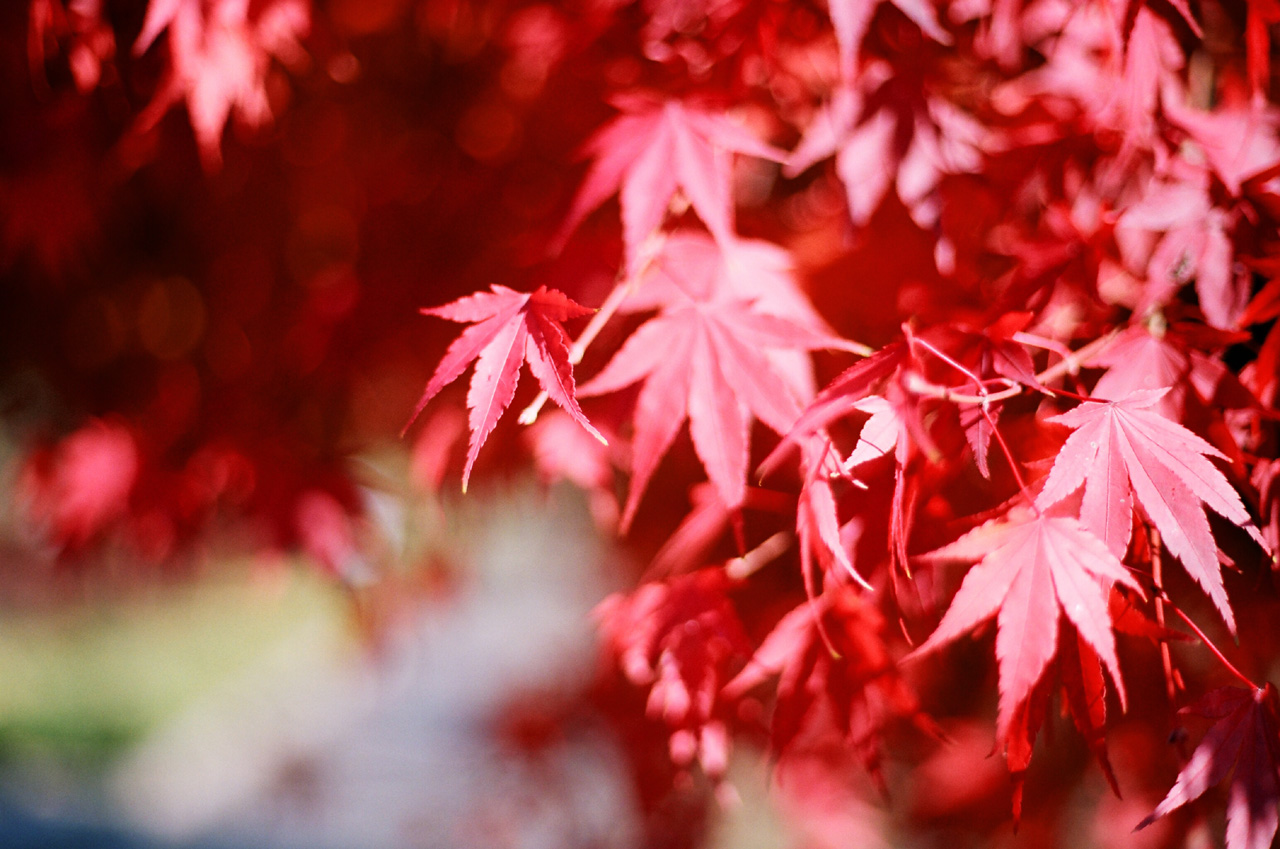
(1070, 365)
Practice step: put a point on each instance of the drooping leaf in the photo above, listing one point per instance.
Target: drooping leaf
(1195, 243)
(890, 119)
(849, 694)
(1242, 743)
(817, 518)
(92, 40)
(79, 487)
(879, 435)
(840, 398)
(692, 264)
(1080, 670)
(1238, 140)
(221, 51)
(852, 18)
(680, 638)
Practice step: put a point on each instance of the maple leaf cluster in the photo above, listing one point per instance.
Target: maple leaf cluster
(1070, 386)
(925, 349)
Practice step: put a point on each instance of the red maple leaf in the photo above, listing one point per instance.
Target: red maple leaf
(90, 41)
(1160, 356)
(1151, 57)
(1118, 78)
(1122, 450)
(1138, 360)
(1196, 243)
(705, 357)
(508, 328)
(852, 18)
(891, 130)
(817, 520)
(1242, 742)
(840, 398)
(879, 435)
(692, 264)
(1030, 570)
(835, 675)
(220, 53)
(655, 150)
(1238, 140)
(83, 485)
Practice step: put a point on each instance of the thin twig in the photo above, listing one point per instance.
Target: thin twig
(1157, 574)
(1231, 667)
(920, 386)
(1008, 456)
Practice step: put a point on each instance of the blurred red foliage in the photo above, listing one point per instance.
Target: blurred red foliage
(219, 219)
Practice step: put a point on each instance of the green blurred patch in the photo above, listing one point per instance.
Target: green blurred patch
(83, 683)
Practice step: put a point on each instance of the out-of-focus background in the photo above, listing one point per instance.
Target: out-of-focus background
(245, 707)
(237, 607)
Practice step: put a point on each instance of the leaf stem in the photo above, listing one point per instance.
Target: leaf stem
(849, 346)
(1008, 456)
(742, 567)
(918, 385)
(1033, 341)
(921, 386)
(1153, 538)
(1231, 667)
(982, 390)
(1171, 678)
(1067, 393)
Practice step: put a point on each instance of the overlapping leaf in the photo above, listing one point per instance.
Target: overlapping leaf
(705, 359)
(852, 18)
(1121, 451)
(221, 51)
(850, 692)
(654, 150)
(680, 638)
(1031, 572)
(889, 131)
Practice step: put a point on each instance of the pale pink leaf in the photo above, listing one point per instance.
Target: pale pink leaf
(651, 152)
(718, 424)
(1165, 467)
(1029, 569)
(1028, 626)
(660, 412)
(511, 328)
(493, 385)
